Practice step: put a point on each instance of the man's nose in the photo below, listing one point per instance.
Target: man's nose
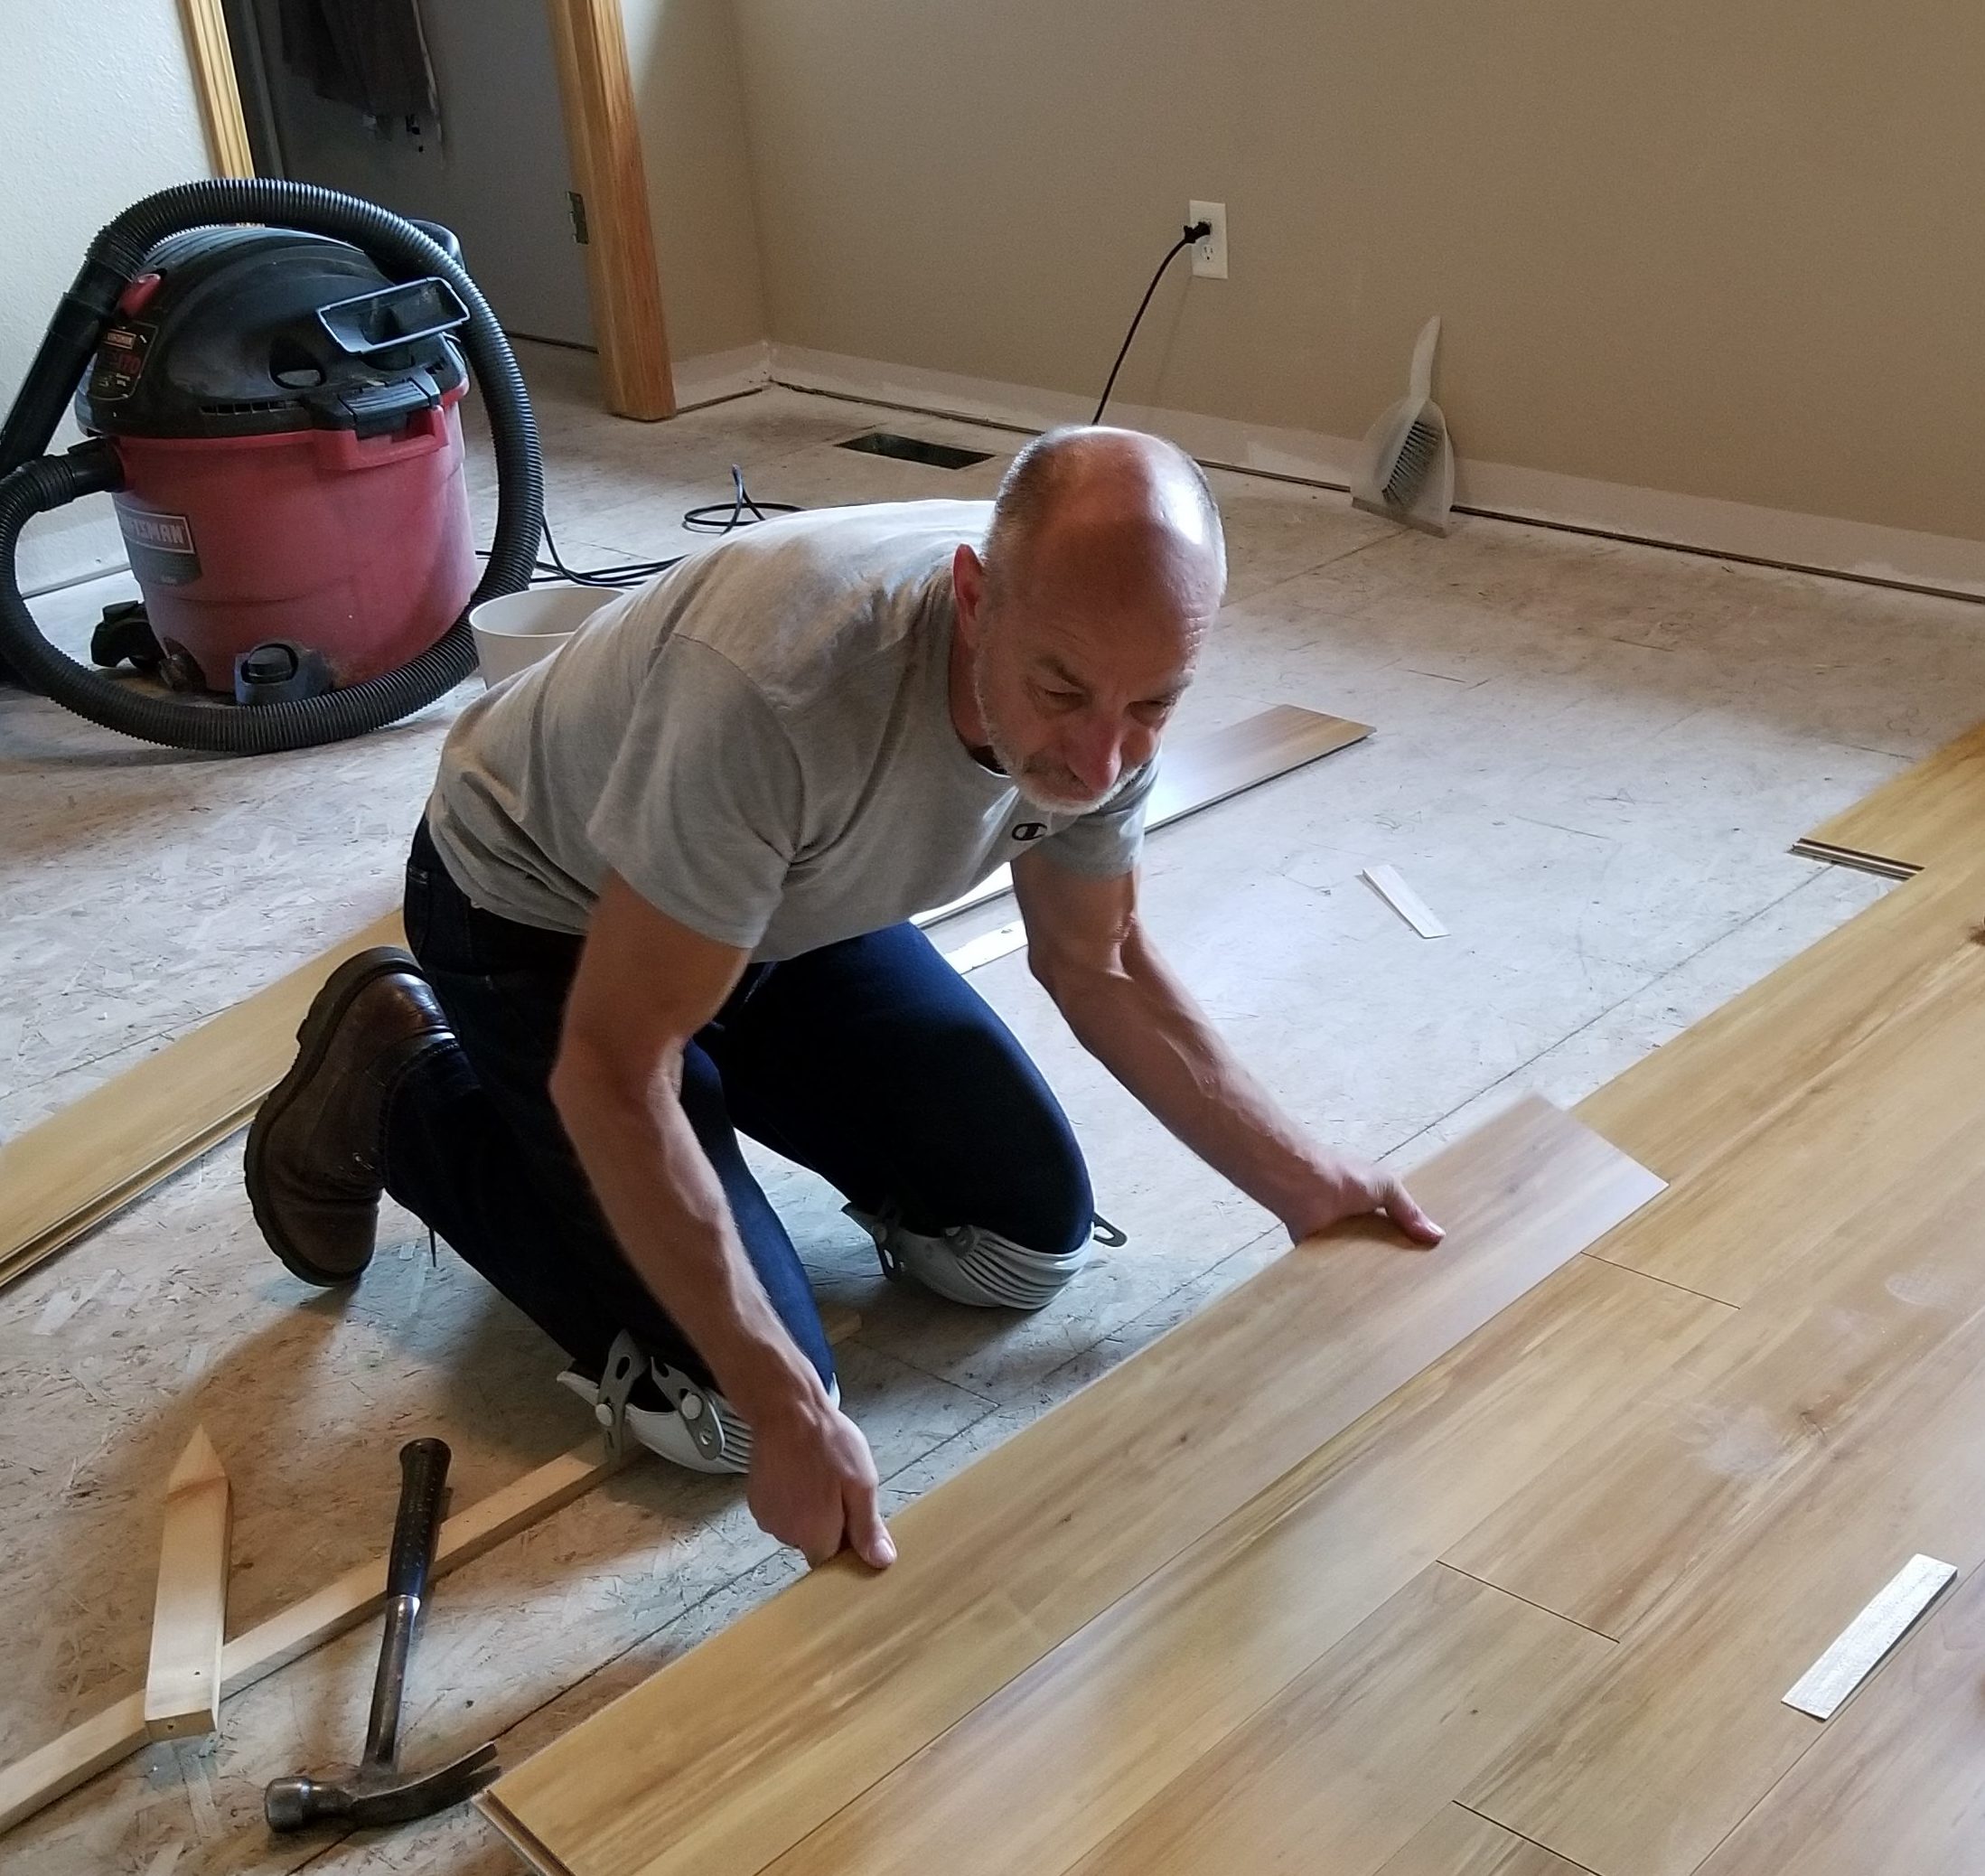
(1095, 755)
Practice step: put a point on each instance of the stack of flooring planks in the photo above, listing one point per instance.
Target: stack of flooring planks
(1532, 1612)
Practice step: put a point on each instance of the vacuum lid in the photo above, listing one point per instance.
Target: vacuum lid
(245, 332)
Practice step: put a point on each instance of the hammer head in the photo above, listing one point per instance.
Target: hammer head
(370, 1796)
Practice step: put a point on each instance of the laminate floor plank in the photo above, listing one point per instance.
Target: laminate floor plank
(1728, 1537)
(1683, 1106)
(1345, 1767)
(731, 1755)
(1927, 816)
(1099, 1724)
(1771, 1203)
(1457, 1842)
(1893, 1783)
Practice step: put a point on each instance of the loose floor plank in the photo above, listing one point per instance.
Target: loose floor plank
(1730, 1537)
(731, 1755)
(1926, 816)
(98, 1154)
(86, 1163)
(1893, 1784)
(1343, 1767)
(190, 1613)
(1199, 1646)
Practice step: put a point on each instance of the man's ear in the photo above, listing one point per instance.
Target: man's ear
(968, 587)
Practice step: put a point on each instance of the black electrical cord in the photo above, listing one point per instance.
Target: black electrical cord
(1197, 232)
(742, 510)
(724, 517)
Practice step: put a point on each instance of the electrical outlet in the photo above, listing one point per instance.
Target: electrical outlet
(1209, 254)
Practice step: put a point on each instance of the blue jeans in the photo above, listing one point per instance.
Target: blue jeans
(872, 1062)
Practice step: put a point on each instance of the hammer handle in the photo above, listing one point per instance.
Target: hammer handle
(423, 1478)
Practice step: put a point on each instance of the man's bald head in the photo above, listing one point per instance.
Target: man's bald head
(1109, 510)
(1078, 625)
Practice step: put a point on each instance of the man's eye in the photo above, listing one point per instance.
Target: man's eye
(1064, 700)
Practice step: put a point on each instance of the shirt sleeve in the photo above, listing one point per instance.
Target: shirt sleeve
(701, 810)
(1106, 842)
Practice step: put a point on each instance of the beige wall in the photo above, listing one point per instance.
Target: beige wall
(683, 56)
(98, 101)
(1722, 249)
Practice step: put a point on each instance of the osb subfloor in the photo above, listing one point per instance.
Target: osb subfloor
(1590, 760)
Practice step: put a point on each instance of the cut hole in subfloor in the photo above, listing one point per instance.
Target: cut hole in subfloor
(915, 449)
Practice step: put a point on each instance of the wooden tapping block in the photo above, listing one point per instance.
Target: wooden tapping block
(189, 1618)
(1928, 816)
(119, 1730)
(98, 1154)
(735, 1752)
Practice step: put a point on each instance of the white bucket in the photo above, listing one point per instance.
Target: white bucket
(517, 629)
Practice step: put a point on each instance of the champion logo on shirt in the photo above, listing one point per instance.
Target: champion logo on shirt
(1030, 831)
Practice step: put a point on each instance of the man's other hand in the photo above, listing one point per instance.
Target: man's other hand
(812, 1485)
(1345, 1187)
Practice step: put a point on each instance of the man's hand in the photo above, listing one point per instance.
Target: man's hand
(1344, 1188)
(813, 1482)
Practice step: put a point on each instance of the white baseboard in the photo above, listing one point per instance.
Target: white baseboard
(717, 375)
(1859, 549)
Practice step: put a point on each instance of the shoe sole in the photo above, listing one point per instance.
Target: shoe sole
(320, 1024)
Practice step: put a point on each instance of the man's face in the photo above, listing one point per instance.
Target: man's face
(1073, 699)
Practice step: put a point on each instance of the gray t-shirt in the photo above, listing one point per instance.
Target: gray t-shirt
(760, 741)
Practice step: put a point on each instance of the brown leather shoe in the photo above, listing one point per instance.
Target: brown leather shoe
(313, 1157)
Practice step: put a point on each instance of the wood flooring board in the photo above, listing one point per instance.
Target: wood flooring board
(1729, 1540)
(1680, 1107)
(1884, 1112)
(58, 1178)
(1893, 1783)
(1343, 1767)
(731, 1755)
(1760, 1411)
(1459, 1843)
(1928, 815)
(1099, 1724)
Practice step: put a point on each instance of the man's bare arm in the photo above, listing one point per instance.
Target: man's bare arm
(1089, 950)
(645, 985)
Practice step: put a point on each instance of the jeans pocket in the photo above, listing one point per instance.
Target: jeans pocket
(419, 908)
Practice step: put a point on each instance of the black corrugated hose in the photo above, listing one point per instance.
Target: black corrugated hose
(115, 258)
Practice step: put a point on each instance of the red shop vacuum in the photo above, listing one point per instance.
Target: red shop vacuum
(271, 376)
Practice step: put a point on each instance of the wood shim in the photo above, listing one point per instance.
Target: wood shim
(1402, 897)
(94, 1744)
(189, 1616)
(1858, 1649)
(96, 1156)
(776, 1723)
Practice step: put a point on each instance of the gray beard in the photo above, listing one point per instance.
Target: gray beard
(1016, 772)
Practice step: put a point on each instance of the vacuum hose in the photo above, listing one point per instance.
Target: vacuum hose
(32, 482)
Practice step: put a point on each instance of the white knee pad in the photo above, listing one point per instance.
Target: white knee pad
(969, 1264)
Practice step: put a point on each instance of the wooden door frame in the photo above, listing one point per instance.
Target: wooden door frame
(602, 139)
